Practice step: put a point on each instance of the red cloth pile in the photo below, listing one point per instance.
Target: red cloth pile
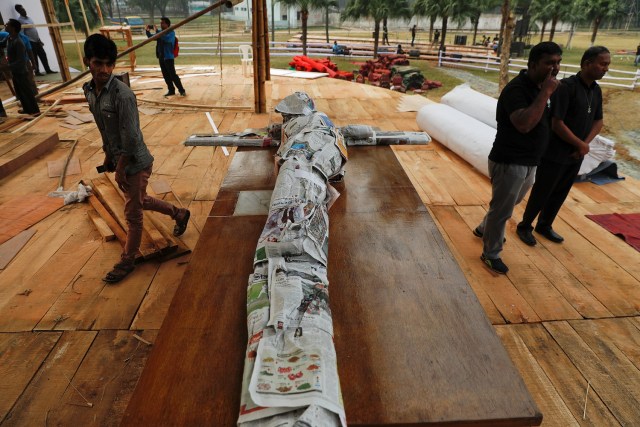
(383, 64)
(625, 226)
(304, 63)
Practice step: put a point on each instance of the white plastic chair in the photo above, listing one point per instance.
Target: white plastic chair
(247, 59)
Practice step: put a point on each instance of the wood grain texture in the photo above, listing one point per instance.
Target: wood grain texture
(403, 329)
(27, 148)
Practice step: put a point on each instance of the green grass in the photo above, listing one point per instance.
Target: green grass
(206, 29)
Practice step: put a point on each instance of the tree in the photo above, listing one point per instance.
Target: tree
(446, 9)
(474, 11)
(326, 5)
(76, 14)
(429, 9)
(377, 10)
(305, 6)
(550, 10)
(597, 10)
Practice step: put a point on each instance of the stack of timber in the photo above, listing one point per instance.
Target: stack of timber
(157, 241)
(16, 150)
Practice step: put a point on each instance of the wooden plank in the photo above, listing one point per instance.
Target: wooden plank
(52, 233)
(547, 397)
(616, 289)
(606, 350)
(106, 216)
(159, 241)
(105, 378)
(620, 252)
(23, 312)
(567, 379)
(54, 169)
(10, 248)
(513, 307)
(157, 300)
(22, 212)
(552, 291)
(44, 392)
(25, 153)
(11, 141)
(102, 226)
(424, 292)
(113, 201)
(605, 383)
(20, 357)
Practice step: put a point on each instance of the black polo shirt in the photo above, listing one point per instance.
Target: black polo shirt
(511, 146)
(578, 106)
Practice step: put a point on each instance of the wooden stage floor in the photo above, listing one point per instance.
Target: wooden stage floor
(568, 315)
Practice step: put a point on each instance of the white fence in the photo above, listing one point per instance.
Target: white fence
(615, 78)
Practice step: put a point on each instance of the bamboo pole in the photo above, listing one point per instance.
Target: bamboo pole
(54, 32)
(195, 106)
(267, 56)
(73, 28)
(228, 3)
(84, 16)
(37, 119)
(99, 13)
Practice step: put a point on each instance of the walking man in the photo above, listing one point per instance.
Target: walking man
(17, 58)
(115, 111)
(521, 138)
(164, 53)
(576, 118)
(413, 34)
(36, 43)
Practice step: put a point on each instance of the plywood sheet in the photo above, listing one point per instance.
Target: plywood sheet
(21, 213)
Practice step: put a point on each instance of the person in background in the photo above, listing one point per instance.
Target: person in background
(385, 35)
(413, 34)
(115, 110)
(436, 36)
(521, 139)
(576, 118)
(164, 53)
(29, 59)
(637, 60)
(36, 44)
(399, 50)
(17, 58)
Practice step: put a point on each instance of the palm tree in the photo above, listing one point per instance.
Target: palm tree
(377, 10)
(305, 6)
(550, 10)
(475, 9)
(429, 9)
(326, 5)
(597, 10)
(454, 9)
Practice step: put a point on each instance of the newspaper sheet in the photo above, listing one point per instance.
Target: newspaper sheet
(297, 371)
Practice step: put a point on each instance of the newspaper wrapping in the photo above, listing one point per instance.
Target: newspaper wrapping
(290, 373)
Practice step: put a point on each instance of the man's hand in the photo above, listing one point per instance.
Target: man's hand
(121, 178)
(583, 149)
(550, 84)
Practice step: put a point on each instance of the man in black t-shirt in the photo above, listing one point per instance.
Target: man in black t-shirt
(521, 138)
(576, 118)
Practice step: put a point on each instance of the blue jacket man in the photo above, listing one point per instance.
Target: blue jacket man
(164, 53)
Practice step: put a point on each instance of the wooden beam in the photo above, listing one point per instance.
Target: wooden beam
(54, 32)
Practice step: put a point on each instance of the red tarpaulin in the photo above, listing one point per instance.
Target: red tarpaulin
(625, 226)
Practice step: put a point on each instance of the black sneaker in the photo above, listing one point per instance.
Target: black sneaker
(495, 264)
(478, 233)
(169, 94)
(39, 74)
(183, 93)
(526, 236)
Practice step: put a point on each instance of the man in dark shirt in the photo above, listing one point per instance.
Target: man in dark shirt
(115, 111)
(521, 138)
(576, 118)
(17, 58)
(36, 44)
(164, 53)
